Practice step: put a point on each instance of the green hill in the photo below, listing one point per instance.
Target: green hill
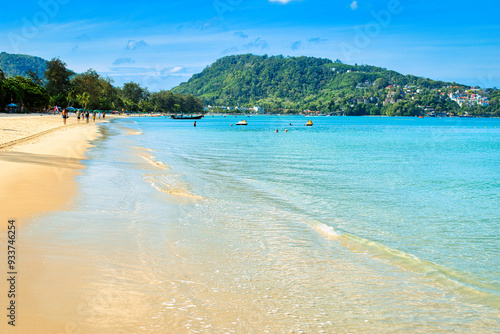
(297, 83)
(17, 64)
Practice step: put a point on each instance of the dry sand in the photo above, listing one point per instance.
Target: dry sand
(18, 128)
(39, 157)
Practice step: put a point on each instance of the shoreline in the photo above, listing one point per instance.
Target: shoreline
(37, 170)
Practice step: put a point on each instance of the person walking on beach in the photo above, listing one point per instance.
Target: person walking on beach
(78, 114)
(93, 116)
(87, 115)
(103, 115)
(64, 115)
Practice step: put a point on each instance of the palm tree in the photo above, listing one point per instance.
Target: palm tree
(71, 96)
(84, 99)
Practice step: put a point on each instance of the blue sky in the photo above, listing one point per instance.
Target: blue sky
(162, 43)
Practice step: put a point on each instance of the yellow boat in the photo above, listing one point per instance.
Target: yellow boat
(243, 122)
(309, 123)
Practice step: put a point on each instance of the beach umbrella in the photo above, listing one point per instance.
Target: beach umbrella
(70, 108)
(12, 105)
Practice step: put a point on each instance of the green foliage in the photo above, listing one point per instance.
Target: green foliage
(57, 77)
(88, 82)
(246, 79)
(83, 99)
(23, 91)
(108, 97)
(166, 101)
(133, 93)
(380, 83)
(17, 64)
(59, 99)
(2, 88)
(35, 77)
(63, 87)
(494, 107)
(293, 84)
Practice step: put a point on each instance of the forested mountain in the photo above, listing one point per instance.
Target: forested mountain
(293, 84)
(248, 78)
(18, 64)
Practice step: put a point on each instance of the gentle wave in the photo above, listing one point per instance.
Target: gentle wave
(152, 160)
(171, 185)
(464, 283)
(134, 133)
(326, 230)
(143, 148)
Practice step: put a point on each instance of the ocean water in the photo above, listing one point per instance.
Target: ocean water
(355, 225)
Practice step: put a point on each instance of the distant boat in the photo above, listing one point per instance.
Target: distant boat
(243, 122)
(309, 123)
(186, 117)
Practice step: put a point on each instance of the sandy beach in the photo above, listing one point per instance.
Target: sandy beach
(39, 156)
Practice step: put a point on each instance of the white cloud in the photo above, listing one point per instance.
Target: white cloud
(83, 38)
(151, 72)
(173, 70)
(132, 45)
(258, 44)
(120, 61)
(317, 40)
(297, 45)
(214, 23)
(354, 5)
(241, 34)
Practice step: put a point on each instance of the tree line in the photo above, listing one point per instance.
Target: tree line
(62, 87)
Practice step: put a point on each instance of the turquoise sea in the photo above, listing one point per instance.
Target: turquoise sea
(355, 225)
